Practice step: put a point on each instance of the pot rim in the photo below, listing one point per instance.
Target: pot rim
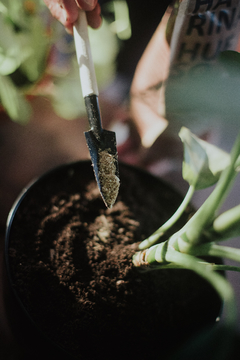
(34, 183)
(15, 207)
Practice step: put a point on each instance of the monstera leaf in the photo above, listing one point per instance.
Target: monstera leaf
(203, 162)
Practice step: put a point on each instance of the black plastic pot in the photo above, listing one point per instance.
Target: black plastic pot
(190, 307)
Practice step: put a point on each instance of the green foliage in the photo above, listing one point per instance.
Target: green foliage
(227, 225)
(203, 165)
(203, 162)
(17, 106)
(23, 53)
(104, 47)
(29, 34)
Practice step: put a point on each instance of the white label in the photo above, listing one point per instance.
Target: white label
(203, 29)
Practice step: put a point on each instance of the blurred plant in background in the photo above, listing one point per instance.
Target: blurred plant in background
(37, 57)
(24, 48)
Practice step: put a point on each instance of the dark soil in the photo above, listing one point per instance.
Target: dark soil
(70, 263)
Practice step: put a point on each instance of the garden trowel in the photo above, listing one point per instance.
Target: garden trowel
(101, 143)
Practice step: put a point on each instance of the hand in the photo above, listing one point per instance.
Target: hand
(147, 100)
(66, 11)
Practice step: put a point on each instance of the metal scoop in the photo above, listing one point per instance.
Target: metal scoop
(101, 143)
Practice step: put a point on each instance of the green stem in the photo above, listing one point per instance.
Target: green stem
(174, 259)
(213, 249)
(223, 288)
(155, 253)
(218, 282)
(227, 224)
(209, 266)
(225, 268)
(158, 254)
(151, 240)
(224, 252)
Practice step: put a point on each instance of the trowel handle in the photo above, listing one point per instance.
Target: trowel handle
(84, 56)
(87, 73)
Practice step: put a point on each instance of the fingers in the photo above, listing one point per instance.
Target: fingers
(70, 10)
(147, 96)
(94, 17)
(86, 5)
(66, 11)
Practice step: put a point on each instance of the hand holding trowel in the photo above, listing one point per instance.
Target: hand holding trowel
(101, 143)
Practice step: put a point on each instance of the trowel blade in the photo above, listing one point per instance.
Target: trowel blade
(103, 152)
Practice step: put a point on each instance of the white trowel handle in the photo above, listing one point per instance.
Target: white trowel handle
(84, 56)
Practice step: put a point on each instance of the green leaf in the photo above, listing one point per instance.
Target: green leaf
(105, 47)
(202, 220)
(18, 11)
(17, 107)
(24, 43)
(121, 26)
(203, 162)
(13, 48)
(3, 8)
(67, 97)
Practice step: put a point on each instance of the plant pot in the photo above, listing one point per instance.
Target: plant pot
(72, 290)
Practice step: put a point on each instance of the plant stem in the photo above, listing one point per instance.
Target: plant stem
(216, 267)
(209, 266)
(151, 240)
(171, 258)
(218, 282)
(224, 252)
(156, 257)
(155, 253)
(228, 223)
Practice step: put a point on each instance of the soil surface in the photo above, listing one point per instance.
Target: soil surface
(70, 263)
